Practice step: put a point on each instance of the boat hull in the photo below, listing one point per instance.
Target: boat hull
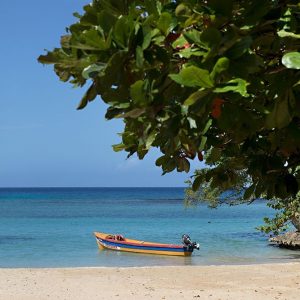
(135, 246)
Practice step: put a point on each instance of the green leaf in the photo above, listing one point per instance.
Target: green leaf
(147, 40)
(192, 36)
(183, 165)
(245, 65)
(118, 147)
(93, 70)
(196, 183)
(49, 58)
(256, 10)
(116, 7)
(189, 52)
(241, 47)
(207, 126)
(141, 152)
(113, 112)
(291, 60)
(77, 15)
(135, 113)
(194, 97)
(152, 6)
(89, 96)
(223, 7)
(160, 161)
(182, 10)
(90, 40)
(192, 122)
(211, 37)
(139, 57)
(106, 20)
(282, 33)
(169, 165)
(203, 143)
(213, 156)
(237, 85)
(208, 39)
(138, 92)
(280, 116)
(150, 139)
(123, 28)
(193, 76)
(166, 23)
(221, 65)
(113, 71)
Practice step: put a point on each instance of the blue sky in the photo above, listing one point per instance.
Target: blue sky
(45, 141)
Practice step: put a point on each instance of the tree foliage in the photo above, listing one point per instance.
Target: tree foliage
(199, 79)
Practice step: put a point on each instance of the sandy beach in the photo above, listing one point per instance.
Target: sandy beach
(265, 281)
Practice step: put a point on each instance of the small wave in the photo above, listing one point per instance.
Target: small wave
(10, 238)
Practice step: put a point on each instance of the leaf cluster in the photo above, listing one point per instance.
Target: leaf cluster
(198, 79)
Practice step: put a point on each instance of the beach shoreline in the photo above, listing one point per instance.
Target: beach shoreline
(254, 281)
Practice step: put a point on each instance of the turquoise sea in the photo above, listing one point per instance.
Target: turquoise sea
(52, 227)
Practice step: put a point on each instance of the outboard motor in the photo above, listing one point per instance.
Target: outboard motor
(186, 240)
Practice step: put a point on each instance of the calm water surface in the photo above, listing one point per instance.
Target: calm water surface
(52, 227)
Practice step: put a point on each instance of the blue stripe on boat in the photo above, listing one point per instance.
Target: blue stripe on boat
(143, 247)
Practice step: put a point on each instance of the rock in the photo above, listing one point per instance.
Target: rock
(289, 240)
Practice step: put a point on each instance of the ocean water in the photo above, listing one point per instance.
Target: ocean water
(53, 227)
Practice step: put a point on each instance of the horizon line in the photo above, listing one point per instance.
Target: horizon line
(71, 187)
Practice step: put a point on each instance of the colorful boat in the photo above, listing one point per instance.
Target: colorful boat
(119, 243)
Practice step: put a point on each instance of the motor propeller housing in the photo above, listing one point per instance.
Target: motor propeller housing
(187, 242)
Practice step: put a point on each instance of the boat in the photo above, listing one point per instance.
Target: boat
(119, 243)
